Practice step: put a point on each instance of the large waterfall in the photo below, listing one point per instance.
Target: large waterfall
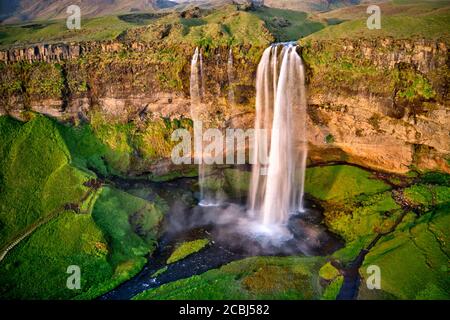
(280, 148)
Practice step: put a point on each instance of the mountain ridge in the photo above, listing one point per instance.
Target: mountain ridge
(32, 10)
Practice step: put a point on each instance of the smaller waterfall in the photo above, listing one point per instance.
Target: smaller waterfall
(196, 84)
(230, 71)
(197, 93)
(197, 90)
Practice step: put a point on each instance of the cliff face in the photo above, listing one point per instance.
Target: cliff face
(120, 79)
(379, 103)
(383, 103)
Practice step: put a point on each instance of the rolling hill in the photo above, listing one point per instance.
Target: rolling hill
(29, 10)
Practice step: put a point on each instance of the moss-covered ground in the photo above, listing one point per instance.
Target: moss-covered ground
(36, 175)
(414, 260)
(187, 248)
(252, 278)
(49, 193)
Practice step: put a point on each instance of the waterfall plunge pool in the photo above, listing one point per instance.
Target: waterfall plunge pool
(233, 233)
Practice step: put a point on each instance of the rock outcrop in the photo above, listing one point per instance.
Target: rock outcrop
(380, 103)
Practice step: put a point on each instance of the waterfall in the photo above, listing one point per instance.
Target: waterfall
(230, 72)
(197, 92)
(196, 84)
(280, 147)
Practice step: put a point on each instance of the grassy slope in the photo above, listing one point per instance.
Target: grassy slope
(103, 244)
(413, 260)
(101, 28)
(43, 167)
(298, 23)
(221, 27)
(117, 216)
(421, 20)
(36, 268)
(34, 164)
(224, 26)
(357, 205)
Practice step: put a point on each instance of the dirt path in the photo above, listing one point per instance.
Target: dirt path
(28, 231)
(4, 251)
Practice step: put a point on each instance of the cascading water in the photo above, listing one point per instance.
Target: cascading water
(197, 87)
(197, 91)
(280, 148)
(196, 84)
(230, 72)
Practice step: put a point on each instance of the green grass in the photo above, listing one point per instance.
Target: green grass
(44, 165)
(429, 25)
(362, 217)
(427, 195)
(36, 268)
(109, 246)
(87, 150)
(413, 260)
(187, 248)
(252, 278)
(294, 24)
(437, 178)
(357, 206)
(130, 224)
(352, 249)
(328, 272)
(35, 174)
(93, 29)
(331, 292)
(221, 27)
(341, 182)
